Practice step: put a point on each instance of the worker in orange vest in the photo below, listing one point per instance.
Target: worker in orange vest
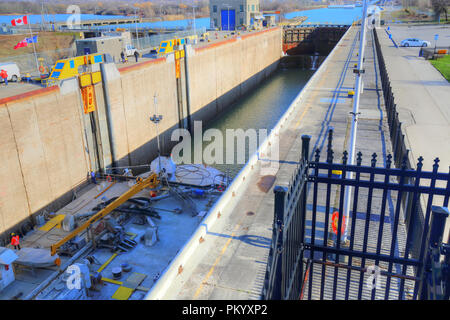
(15, 241)
(4, 75)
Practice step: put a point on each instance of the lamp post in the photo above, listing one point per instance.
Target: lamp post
(156, 119)
(160, 15)
(193, 12)
(137, 34)
(355, 114)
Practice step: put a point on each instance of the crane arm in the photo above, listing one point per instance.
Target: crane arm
(141, 184)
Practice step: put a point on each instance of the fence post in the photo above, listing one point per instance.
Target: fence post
(279, 283)
(305, 147)
(434, 277)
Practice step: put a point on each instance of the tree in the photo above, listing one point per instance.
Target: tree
(439, 7)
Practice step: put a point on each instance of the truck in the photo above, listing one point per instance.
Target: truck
(130, 50)
(12, 70)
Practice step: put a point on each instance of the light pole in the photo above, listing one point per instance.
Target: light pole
(156, 119)
(137, 34)
(193, 12)
(161, 15)
(355, 115)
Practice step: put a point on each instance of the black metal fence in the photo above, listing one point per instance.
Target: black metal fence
(395, 126)
(285, 266)
(400, 151)
(319, 252)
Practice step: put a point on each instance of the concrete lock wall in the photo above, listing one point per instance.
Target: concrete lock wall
(41, 150)
(220, 74)
(47, 144)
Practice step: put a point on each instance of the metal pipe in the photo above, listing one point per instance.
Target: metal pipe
(355, 114)
(188, 89)
(137, 34)
(108, 115)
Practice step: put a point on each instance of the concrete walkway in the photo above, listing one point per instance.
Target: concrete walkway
(234, 266)
(422, 95)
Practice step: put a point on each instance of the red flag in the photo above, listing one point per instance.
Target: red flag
(19, 21)
(21, 44)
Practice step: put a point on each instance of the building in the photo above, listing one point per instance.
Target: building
(113, 45)
(232, 14)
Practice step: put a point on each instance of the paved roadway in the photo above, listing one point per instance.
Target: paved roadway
(401, 32)
(422, 96)
(14, 88)
(421, 93)
(233, 267)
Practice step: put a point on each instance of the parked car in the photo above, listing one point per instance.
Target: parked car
(414, 42)
(129, 50)
(12, 70)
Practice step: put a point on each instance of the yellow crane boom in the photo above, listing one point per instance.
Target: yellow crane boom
(141, 184)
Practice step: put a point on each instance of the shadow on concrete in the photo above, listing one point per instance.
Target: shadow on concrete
(253, 240)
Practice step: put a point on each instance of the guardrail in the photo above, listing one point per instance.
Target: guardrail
(395, 126)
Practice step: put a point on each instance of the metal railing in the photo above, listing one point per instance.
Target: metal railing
(395, 125)
(307, 260)
(27, 62)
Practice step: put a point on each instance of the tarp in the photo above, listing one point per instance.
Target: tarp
(36, 258)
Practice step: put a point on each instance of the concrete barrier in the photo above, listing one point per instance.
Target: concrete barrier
(46, 143)
(172, 279)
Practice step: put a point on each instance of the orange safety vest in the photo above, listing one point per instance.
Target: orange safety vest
(3, 74)
(15, 241)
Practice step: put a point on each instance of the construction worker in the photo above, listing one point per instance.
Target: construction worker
(4, 75)
(15, 241)
(122, 56)
(136, 55)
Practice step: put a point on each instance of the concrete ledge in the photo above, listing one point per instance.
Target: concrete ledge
(26, 95)
(140, 65)
(221, 43)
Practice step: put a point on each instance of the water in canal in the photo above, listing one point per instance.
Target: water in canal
(261, 108)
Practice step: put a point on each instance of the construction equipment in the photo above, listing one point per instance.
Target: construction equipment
(115, 239)
(149, 182)
(68, 68)
(167, 46)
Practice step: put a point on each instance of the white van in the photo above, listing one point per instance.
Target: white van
(12, 70)
(129, 50)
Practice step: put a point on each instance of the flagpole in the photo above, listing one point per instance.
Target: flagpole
(34, 48)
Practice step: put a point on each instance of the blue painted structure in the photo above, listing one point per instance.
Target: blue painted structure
(228, 20)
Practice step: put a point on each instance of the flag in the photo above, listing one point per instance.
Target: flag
(31, 40)
(19, 21)
(21, 44)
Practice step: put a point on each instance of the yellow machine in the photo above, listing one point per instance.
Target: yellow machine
(68, 68)
(166, 46)
(150, 182)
